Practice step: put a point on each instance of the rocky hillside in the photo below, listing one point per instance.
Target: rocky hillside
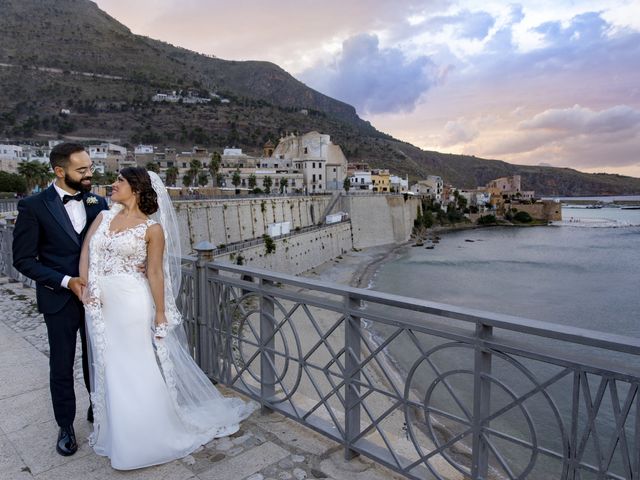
(68, 54)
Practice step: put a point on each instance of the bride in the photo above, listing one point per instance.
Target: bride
(151, 402)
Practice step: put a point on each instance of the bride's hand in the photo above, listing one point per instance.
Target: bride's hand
(161, 325)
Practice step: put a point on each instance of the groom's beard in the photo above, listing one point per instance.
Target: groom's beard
(83, 185)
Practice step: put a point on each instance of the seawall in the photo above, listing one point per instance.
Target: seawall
(375, 220)
(226, 221)
(380, 219)
(297, 253)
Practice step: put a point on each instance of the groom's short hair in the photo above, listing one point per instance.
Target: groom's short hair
(59, 156)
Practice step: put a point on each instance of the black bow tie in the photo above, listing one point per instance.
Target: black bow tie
(77, 196)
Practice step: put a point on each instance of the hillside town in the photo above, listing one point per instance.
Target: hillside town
(307, 164)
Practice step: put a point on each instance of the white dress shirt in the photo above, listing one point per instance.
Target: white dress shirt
(77, 215)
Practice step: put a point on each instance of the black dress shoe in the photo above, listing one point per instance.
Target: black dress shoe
(90, 414)
(66, 441)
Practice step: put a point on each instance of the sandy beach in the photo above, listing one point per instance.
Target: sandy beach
(355, 268)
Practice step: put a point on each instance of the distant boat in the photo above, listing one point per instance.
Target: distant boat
(593, 206)
(630, 207)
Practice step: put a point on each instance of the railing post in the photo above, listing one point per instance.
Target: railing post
(481, 404)
(203, 353)
(217, 339)
(267, 347)
(352, 338)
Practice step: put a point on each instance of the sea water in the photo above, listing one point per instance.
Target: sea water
(583, 271)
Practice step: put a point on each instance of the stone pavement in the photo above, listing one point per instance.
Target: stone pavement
(268, 447)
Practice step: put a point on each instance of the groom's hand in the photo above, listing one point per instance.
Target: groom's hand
(76, 284)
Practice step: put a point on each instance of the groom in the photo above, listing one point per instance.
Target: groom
(47, 240)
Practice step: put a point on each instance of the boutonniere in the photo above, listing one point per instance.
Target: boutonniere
(91, 200)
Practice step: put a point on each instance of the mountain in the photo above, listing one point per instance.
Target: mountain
(69, 54)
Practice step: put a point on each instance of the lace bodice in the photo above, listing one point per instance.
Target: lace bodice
(120, 252)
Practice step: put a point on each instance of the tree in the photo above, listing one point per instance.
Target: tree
(462, 202)
(235, 179)
(252, 181)
(194, 168)
(187, 180)
(214, 167)
(523, 217)
(35, 173)
(487, 220)
(171, 176)
(284, 183)
(153, 167)
(267, 183)
(203, 179)
(12, 182)
(346, 184)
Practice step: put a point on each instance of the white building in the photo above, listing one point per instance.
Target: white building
(234, 158)
(431, 186)
(476, 197)
(399, 184)
(322, 163)
(143, 150)
(361, 180)
(10, 156)
(107, 157)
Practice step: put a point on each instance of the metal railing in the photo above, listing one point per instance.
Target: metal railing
(8, 205)
(6, 257)
(429, 390)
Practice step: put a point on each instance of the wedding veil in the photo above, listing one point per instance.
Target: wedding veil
(197, 401)
(172, 258)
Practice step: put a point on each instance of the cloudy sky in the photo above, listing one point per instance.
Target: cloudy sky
(552, 82)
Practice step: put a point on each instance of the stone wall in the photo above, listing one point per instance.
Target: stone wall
(299, 252)
(543, 210)
(379, 219)
(228, 221)
(375, 220)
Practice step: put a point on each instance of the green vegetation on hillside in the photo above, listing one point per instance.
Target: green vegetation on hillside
(75, 36)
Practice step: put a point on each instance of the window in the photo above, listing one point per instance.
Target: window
(314, 165)
(334, 170)
(306, 150)
(320, 176)
(313, 179)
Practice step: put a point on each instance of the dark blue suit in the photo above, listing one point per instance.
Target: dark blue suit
(46, 248)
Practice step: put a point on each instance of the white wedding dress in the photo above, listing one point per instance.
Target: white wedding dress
(151, 402)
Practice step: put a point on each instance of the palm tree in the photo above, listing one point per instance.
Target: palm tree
(35, 173)
(235, 179)
(186, 180)
(267, 183)
(171, 176)
(203, 179)
(284, 183)
(153, 167)
(194, 168)
(214, 167)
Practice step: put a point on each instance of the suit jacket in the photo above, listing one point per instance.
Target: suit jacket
(46, 247)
